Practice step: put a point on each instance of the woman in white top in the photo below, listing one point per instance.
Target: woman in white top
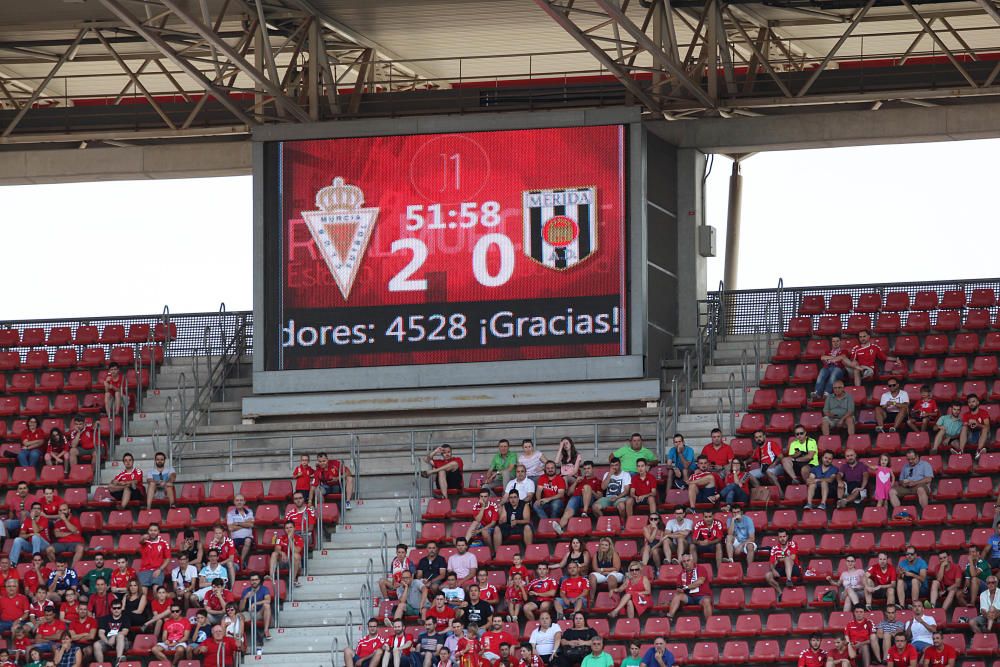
(852, 581)
(568, 460)
(233, 624)
(532, 459)
(545, 638)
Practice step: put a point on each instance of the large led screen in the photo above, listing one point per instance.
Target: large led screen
(446, 248)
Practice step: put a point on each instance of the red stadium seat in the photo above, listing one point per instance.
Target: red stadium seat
(918, 441)
(870, 302)
(704, 653)
(731, 598)
(438, 509)
(92, 357)
(33, 337)
(64, 358)
(840, 304)
(749, 625)
(85, 335)
(781, 422)
(984, 366)
(816, 348)
(959, 465)
(953, 299)
(764, 400)
(964, 513)
(906, 346)
(873, 517)
(831, 544)
(112, 334)
(142, 646)
(765, 651)
(983, 643)
(792, 398)
(788, 350)
(933, 515)
(51, 382)
(964, 343)
(947, 320)
(954, 367)
(65, 404)
(897, 301)
(162, 332)
(718, 627)
(177, 518)
(799, 327)
(887, 323)
(944, 393)
(977, 320)
(207, 516)
(983, 297)
(844, 519)
(686, 627)
(982, 487)
(948, 489)
(857, 324)
(762, 598)
(735, 652)
(917, 322)
(829, 325)
(805, 374)
(625, 629)
(279, 490)
(924, 369)
(36, 360)
(793, 597)
(812, 304)
(886, 443)
(992, 342)
(123, 356)
(750, 423)
(10, 337)
(775, 375)
(21, 383)
(36, 406)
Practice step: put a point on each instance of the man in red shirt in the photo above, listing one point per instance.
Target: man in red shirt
(692, 588)
(813, 656)
(447, 470)
(219, 650)
(858, 634)
(217, 599)
(767, 452)
(174, 637)
(280, 554)
(155, 551)
(863, 360)
(69, 534)
(18, 507)
(121, 576)
(707, 536)
(440, 613)
(83, 631)
(703, 484)
(975, 427)
(642, 490)
(841, 655)
(48, 632)
(13, 606)
(7, 572)
(399, 647)
(328, 476)
(551, 495)
(369, 649)
(81, 440)
(493, 638)
(302, 515)
(784, 563)
(573, 592)
(719, 453)
(127, 482)
(50, 503)
(304, 477)
(541, 593)
(880, 581)
(948, 580)
(901, 654)
(485, 515)
(584, 490)
(939, 654)
(34, 535)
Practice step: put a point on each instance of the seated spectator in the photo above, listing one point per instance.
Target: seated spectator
(615, 489)
(880, 581)
(597, 656)
(57, 450)
(784, 561)
(629, 454)
(516, 596)
(852, 480)
(838, 410)
(36, 576)
(34, 536)
(501, 468)
(692, 588)
(680, 463)
(862, 360)
(550, 498)
(677, 532)
(578, 554)
(477, 610)
(767, 453)
(333, 476)
(398, 649)
(83, 631)
(217, 599)
(228, 555)
(50, 503)
(823, 476)
(719, 454)
(494, 637)
(803, 454)
(885, 630)
(240, 521)
(220, 650)
(989, 607)
(914, 479)
(893, 408)
(33, 443)
(159, 611)
(948, 429)
(101, 600)
(707, 537)
(191, 546)
(574, 592)
(18, 509)
(115, 387)
(545, 639)
(832, 371)
(542, 593)
(486, 513)
(399, 564)
(134, 604)
(66, 653)
(213, 569)
(487, 591)
(82, 440)
(851, 582)
(288, 548)
(975, 574)
(174, 636)
(524, 485)
(858, 635)
(515, 521)
(912, 571)
(658, 655)
(428, 643)
(127, 482)
(921, 628)
(160, 481)
(568, 459)
(13, 607)
(924, 412)
(454, 594)
(736, 487)
(702, 484)
(939, 654)
(112, 632)
(607, 567)
(532, 459)
(155, 553)
(901, 653)
(652, 540)
(975, 427)
(948, 580)
(740, 534)
(635, 593)
(432, 568)
(446, 469)
(256, 603)
(813, 655)
(642, 490)
(302, 516)
(991, 551)
(61, 580)
(582, 493)
(69, 535)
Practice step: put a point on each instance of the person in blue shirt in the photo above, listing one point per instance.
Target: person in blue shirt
(912, 573)
(680, 463)
(256, 600)
(992, 550)
(659, 655)
(62, 579)
(740, 536)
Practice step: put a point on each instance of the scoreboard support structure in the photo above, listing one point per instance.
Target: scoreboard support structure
(475, 261)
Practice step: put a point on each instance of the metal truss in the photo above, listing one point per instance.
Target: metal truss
(221, 70)
(711, 57)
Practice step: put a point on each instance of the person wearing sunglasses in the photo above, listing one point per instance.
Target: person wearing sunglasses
(174, 638)
(851, 581)
(912, 573)
(803, 454)
(893, 408)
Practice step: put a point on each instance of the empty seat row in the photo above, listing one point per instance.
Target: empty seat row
(872, 302)
(91, 357)
(111, 334)
(890, 323)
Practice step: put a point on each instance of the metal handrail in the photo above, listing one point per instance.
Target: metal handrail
(349, 627)
(743, 379)
(365, 601)
(370, 574)
(383, 548)
(415, 515)
(399, 531)
(718, 413)
(731, 394)
(334, 651)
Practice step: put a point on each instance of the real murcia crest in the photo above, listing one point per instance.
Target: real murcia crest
(341, 229)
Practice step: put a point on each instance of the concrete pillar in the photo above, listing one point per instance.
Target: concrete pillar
(692, 272)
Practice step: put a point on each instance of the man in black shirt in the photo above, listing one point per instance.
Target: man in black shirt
(432, 568)
(428, 642)
(112, 631)
(477, 610)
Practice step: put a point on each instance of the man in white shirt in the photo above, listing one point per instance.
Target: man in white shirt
(184, 576)
(211, 570)
(892, 408)
(675, 537)
(239, 518)
(525, 487)
(454, 594)
(921, 629)
(989, 607)
(615, 485)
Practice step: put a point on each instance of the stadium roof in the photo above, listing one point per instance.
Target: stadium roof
(159, 70)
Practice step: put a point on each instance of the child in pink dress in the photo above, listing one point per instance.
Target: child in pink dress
(884, 479)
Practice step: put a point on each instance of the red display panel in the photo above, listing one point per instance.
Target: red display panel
(446, 248)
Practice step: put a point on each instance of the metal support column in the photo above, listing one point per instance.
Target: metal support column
(733, 223)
